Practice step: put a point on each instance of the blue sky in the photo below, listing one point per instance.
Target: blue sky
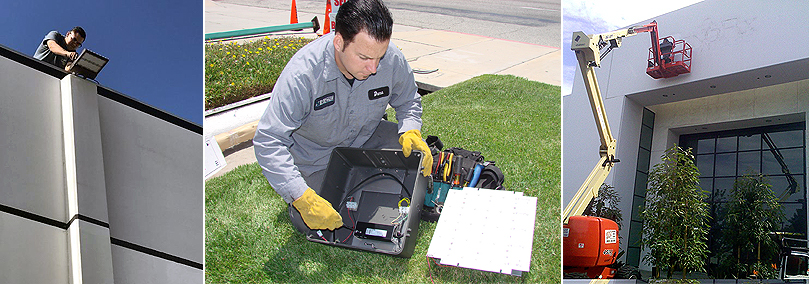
(155, 47)
(593, 17)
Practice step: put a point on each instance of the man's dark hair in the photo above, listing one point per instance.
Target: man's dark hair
(370, 16)
(79, 31)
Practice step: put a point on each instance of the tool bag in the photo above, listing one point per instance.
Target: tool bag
(457, 168)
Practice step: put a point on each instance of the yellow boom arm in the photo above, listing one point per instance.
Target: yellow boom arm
(588, 53)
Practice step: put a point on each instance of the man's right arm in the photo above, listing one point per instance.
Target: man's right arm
(284, 114)
(58, 50)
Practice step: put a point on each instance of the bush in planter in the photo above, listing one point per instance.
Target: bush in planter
(675, 216)
(751, 214)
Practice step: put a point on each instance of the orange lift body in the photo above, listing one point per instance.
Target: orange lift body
(590, 245)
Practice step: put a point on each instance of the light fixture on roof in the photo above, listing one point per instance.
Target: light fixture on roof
(88, 64)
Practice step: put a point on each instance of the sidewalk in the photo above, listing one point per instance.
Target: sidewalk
(457, 56)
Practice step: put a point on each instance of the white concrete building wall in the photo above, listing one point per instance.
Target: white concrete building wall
(31, 252)
(750, 64)
(95, 187)
(30, 143)
(153, 200)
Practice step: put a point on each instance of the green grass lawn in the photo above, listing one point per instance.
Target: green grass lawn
(234, 72)
(516, 122)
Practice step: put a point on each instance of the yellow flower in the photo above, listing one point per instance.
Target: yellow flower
(211, 65)
(259, 49)
(248, 63)
(233, 84)
(228, 52)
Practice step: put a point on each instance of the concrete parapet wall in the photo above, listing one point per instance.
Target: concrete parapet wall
(95, 186)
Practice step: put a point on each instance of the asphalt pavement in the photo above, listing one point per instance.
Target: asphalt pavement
(528, 21)
(465, 41)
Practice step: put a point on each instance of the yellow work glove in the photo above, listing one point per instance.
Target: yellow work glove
(316, 212)
(411, 140)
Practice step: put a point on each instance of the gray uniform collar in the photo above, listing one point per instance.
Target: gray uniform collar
(331, 72)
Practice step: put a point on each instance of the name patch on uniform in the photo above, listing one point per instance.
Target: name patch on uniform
(378, 93)
(324, 101)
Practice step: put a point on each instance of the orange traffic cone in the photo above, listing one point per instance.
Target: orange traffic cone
(293, 17)
(327, 23)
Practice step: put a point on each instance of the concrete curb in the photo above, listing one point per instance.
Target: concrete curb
(237, 104)
(236, 136)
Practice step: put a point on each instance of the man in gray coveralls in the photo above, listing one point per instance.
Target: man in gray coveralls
(333, 93)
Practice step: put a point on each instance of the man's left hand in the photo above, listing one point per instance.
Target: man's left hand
(411, 140)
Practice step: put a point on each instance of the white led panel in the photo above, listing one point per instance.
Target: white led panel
(484, 229)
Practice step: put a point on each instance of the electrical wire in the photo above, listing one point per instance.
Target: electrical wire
(429, 268)
(436, 263)
(352, 222)
(396, 221)
(358, 186)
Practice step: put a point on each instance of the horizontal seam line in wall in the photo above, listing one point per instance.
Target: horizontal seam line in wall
(33, 217)
(156, 253)
(87, 219)
(119, 242)
(49, 221)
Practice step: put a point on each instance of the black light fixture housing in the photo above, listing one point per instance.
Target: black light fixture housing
(88, 64)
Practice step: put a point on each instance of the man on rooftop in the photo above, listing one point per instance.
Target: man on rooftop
(58, 49)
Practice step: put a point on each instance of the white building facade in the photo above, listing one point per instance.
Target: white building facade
(749, 83)
(95, 187)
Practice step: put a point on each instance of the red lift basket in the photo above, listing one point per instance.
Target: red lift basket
(668, 57)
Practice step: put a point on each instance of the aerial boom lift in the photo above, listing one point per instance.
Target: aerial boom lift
(591, 243)
(588, 53)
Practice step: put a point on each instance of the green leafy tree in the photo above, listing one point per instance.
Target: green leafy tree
(752, 213)
(605, 205)
(676, 217)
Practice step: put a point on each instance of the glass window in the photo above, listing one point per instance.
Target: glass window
(783, 190)
(643, 160)
(795, 217)
(749, 162)
(725, 164)
(792, 158)
(637, 207)
(785, 139)
(722, 188)
(645, 137)
(648, 117)
(633, 256)
(641, 180)
(726, 144)
(705, 165)
(706, 146)
(751, 142)
(706, 184)
(738, 152)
